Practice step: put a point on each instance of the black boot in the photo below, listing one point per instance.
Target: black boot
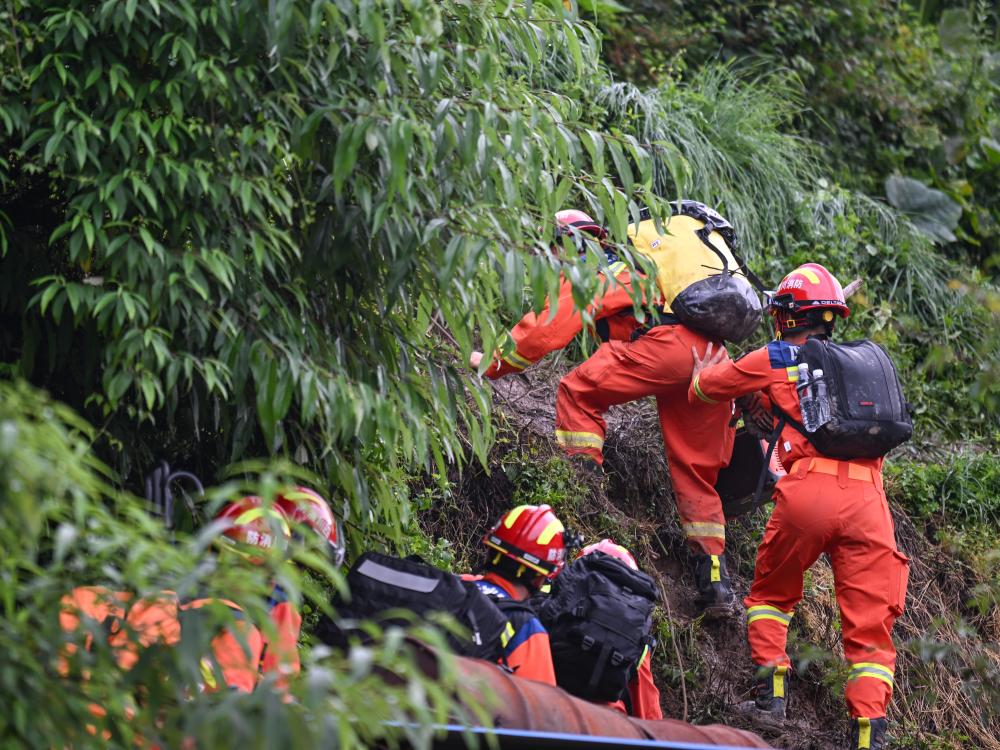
(771, 700)
(868, 734)
(715, 593)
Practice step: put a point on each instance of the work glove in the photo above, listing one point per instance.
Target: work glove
(758, 421)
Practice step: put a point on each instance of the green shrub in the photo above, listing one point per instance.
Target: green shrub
(963, 489)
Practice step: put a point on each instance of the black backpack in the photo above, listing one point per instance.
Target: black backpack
(869, 414)
(382, 583)
(599, 617)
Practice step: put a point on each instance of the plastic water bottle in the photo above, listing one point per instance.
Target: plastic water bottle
(807, 403)
(821, 400)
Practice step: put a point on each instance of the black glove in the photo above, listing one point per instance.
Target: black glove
(758, 421)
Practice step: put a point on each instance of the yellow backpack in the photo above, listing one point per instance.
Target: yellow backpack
(703, 283)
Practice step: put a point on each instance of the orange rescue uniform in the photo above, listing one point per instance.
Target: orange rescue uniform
(242, 652)
(822, 505)
(528, 652)
(537, 335)
(698, 441)
(697, 437)
(643, 694)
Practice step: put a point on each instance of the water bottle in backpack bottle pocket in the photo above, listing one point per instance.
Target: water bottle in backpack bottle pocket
(599, 620)
(384, 588)
(852, 403)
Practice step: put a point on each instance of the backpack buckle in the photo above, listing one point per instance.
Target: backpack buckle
(587, 643)
(617, 657)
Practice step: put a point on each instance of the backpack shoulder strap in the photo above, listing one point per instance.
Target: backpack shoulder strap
(783, 418)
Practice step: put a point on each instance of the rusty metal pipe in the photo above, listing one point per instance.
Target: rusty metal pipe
(521, 704)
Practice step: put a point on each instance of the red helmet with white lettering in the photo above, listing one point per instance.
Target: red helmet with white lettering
(532, 536)
(248, 525)
(305, 506)
(610, 548)
(807, 297)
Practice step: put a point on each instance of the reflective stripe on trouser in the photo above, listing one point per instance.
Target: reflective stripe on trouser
(697, 437)
(853, 526)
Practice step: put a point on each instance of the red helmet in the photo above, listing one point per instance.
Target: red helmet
(533, 536)
(610, 548)
(248, 524)
(808, 296)
(575, 223)
(303, 505)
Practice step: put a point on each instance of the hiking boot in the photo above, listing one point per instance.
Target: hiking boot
(715, 592)
(868, 734)
(768, 707)
(587, 466)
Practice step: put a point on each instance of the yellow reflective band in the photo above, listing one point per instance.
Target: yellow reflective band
(208, 674)
(870, 669)
(864, 733)
(704, 529)
(579, 439)
(506, 635)
(554, 527)
(767, 612)
(617, 267)
(514, 515)
(716, 569)
(248, 516)
(779, 681)
(516, 360)
(793, 374)
(700, 394)
(809, 274)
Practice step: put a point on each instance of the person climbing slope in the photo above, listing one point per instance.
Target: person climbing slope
(559, 322)
(709, 300)
(832, 499)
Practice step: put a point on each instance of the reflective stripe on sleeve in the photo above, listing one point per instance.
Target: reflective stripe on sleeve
(701, 394)
(871, 669)
(516, 360)
(767, 612)
(579, 439)
(704, 529)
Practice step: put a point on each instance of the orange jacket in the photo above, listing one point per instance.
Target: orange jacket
(528, 652)
(242, 651)
(771, 370)
(536, 335)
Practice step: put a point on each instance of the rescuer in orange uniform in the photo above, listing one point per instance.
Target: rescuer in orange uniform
(644, 697)
(630, 365)
(537, 335)
(242, 652)
(527, 548)
(822, 505)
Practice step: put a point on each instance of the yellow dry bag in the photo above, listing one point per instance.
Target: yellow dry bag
(702, 282)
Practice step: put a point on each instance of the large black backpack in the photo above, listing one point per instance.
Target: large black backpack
(380, 584)
(599, 620)
(869, 414)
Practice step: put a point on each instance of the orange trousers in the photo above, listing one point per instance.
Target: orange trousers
(844, 514)
(697, 437)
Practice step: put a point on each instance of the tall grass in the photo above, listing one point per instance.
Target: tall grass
(733, 130)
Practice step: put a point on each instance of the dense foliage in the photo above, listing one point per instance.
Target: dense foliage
(62, 525)
(231, 231)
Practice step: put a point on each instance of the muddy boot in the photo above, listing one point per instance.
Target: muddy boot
(767, 709)
(715, 593)
(868, 734)
(586, 466)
